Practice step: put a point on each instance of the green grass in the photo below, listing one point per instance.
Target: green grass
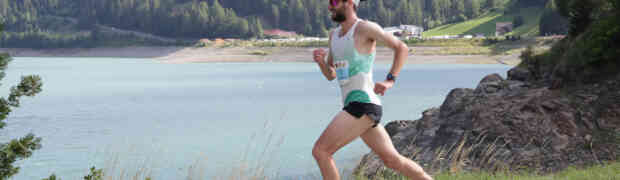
(599, 172)
(486, 24)
(476, 46)
(608, 172)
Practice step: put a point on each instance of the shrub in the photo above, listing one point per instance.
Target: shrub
(518, 21)
(95, 174)
(22, 148)
(52, 177)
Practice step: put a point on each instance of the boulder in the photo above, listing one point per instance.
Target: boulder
(509, 125)
(518, 74)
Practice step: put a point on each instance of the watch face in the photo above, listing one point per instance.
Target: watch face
(390, 77)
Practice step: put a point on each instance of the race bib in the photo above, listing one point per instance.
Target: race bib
(342, 70)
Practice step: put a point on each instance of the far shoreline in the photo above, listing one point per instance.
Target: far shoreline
(184, 54)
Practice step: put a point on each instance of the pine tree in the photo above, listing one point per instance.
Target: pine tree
(306, 21)
(22, 148)
(402, 12)
(492, 4)
(323, 31)
(218, 18)
(4, 7)
(472, 8)
(460, 10)
(580, 16)
(382, 14)
(300, 15)
(475, 8)
(259, 28)
(418, 13)
(436, 9)
(275, 13)
(243, 28)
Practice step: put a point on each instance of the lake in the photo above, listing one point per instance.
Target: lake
(199, 120)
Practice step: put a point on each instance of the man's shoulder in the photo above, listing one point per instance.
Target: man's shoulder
(364, 24)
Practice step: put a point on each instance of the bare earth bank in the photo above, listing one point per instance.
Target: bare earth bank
(173, 54)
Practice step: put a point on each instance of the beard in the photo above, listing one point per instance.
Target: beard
(339, 17)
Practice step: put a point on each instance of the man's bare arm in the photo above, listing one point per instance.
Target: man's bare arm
(326, 68)
(401, 51)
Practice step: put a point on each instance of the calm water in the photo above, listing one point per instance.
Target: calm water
(199, 120)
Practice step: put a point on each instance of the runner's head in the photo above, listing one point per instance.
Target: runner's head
(339, 9)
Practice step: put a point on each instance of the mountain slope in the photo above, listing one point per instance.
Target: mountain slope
(486, 24)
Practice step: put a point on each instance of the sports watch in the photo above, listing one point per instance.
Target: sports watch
(391, 77)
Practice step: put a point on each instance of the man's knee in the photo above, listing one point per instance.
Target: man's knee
(320, 152)
(392, 161)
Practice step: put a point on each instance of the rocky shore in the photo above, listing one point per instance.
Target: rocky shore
(523, 122)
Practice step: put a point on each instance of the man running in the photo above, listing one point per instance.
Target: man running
(350, 60)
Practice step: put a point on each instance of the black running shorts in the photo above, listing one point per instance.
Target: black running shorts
(358, 109)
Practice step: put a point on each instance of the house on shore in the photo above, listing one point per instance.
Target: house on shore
(405, 31)
(502, 28)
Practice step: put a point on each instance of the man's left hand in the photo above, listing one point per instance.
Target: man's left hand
(381, 87)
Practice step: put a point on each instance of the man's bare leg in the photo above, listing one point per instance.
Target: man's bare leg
(379, 141)
(343, 129)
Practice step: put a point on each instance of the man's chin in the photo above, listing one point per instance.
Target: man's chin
(338, 19)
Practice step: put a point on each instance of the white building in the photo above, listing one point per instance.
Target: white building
(405, 31)
(393, 30)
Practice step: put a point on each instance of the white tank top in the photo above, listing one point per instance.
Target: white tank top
(354, 70)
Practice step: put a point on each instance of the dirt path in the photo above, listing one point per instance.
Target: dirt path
(134, 33)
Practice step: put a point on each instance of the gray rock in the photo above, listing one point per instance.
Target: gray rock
(492, 78)
(518, 74)
(397, 126)
(512, 85)
(509, 124)
(454, 101)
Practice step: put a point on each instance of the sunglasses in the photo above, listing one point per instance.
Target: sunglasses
(334, 3)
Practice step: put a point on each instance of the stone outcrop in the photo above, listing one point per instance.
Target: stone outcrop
(511, 124)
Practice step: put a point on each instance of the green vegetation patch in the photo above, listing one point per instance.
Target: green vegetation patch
(599, 172)
(259, 53)
(489, 46)
(611, 171)
(486, 24)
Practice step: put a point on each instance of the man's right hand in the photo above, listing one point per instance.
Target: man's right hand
(319, 55)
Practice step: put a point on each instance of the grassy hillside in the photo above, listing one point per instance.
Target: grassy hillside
(600, 172)
(486, 24)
